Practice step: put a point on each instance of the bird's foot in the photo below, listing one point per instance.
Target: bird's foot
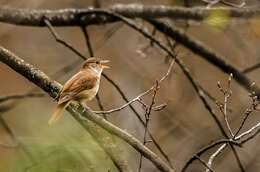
(85, 107)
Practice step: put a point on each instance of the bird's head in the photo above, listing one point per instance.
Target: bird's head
(95, 64)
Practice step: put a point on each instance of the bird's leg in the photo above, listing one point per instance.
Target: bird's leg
(85, 107)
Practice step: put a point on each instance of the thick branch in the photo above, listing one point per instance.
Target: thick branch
(52, 88)
(72, 17)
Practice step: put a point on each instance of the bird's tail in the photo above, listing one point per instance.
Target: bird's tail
(60, 108)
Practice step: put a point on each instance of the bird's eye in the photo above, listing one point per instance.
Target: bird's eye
(97, 62)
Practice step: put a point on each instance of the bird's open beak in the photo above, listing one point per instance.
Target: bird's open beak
(104, 66)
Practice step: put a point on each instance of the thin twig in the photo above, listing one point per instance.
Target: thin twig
(214, 155)
(139, 96)
(87, 39)
(147, 120)
(210, 96)
(58, 39)
(204, 163)
(251, 137)
(139, 118)
(225, 115)
(223, 108)
(247, 113)
(252, 129)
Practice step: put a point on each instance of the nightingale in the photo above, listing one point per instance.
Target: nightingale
(81, 87)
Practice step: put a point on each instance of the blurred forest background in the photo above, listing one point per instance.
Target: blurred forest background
(181, 129)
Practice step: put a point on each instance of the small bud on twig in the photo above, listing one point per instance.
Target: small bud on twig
(253, 84)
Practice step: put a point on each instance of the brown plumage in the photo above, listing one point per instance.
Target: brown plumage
(82, 87)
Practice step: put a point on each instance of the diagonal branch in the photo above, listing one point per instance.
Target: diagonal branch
(140, 95)
(52, 87)
(58, 39)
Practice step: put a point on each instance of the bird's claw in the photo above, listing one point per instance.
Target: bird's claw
(85, 107)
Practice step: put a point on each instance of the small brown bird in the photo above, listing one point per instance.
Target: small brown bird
(82, 87)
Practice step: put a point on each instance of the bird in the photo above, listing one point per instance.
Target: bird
(81, 87)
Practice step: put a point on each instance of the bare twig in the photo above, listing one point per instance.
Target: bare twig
(147, 119)
(139, 96)
(210, 96)
(87, 39)
(252, 129)
(139, 118)
(227, 93)
(223, 108)
(248, 111)
(251, 137)
(58, 39)
(214, 155)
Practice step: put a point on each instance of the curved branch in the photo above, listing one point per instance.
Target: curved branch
(52, 87)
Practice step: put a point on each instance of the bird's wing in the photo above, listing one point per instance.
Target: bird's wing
(78, 83)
